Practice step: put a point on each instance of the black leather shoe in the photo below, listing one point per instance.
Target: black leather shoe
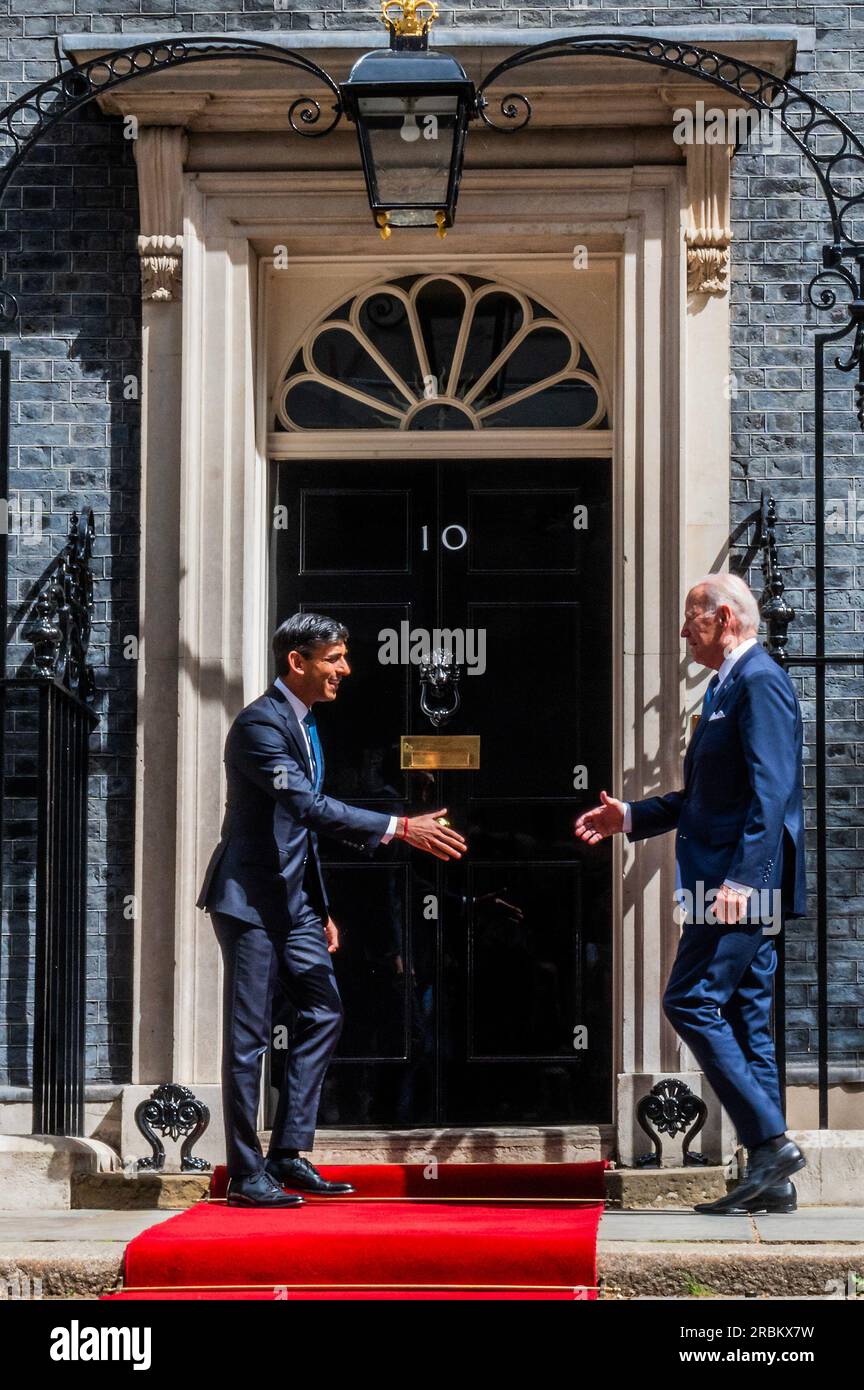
(259, 1190)
(767, 1169)
(781, 1198)
(301, 1174)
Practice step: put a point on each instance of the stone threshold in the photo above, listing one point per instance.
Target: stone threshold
(628, 1189)
(519, 1144)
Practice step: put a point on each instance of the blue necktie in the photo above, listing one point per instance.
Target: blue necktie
(315, 744)
(710, 692)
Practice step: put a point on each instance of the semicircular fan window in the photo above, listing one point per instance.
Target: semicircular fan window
(440, 352)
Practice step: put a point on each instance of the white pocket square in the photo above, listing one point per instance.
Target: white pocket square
(719, 715)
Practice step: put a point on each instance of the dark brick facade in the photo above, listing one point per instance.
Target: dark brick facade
(69, 230)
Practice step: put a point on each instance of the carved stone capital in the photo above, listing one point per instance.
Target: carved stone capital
(708, 233)
(159, 155)
(161, 267)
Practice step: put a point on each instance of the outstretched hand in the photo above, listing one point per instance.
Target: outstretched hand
(427, 833)
(604, 820)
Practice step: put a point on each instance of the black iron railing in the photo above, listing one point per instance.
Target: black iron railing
(56, 694)
(65, 724)
(778, 614)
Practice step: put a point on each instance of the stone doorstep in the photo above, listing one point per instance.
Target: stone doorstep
(626, 1188)
(43, 1171)
(520, 1144)
(664, 1189)
(138, 1192)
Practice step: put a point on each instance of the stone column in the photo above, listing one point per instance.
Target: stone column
(159, 154)
(680, 523)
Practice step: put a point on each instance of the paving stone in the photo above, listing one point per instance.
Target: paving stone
(674, 1226)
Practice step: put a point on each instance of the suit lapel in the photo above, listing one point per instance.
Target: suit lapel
(292, 725)
(721, 698)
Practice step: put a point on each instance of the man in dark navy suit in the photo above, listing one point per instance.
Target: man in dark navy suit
(740, 858)
(265, 892)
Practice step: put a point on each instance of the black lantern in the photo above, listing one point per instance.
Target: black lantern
(411, 108)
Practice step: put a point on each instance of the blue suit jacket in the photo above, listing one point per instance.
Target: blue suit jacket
(739, 815)
(268, 839)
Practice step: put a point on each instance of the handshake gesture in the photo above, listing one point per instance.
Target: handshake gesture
(432, 834)
(604, 820)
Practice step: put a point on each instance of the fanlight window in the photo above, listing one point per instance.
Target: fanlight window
(440, 352)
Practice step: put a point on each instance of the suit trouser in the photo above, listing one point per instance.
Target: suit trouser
(718, 999)
(254, 957)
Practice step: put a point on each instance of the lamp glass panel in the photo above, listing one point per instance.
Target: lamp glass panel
(410, 146)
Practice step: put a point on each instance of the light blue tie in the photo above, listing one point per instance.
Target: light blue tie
(710, 692)
(315, 744)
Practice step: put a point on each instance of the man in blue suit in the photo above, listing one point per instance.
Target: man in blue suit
(740, 858)
(265, 892)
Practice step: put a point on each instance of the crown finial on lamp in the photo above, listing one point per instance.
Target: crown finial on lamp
(414, 18)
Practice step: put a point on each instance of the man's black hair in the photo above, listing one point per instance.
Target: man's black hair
(302, 633)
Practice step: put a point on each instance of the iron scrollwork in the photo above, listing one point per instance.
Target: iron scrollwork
(54, 99)
(670, 1108)
(515, 109)
(173, 1110)
(833, 151)
(62, 616)
(853, 281)
(773, 605)
(24, 121)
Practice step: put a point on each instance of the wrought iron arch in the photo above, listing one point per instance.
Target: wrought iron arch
(75, 86)
(803, 117)
(44, 106)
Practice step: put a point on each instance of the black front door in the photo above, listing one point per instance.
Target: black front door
(476, 993)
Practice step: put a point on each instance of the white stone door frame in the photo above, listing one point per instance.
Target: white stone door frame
(670, 492)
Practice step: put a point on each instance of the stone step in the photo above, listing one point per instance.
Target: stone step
(626, 1188)
(626, 1270)
(137, 1191)
(707, 1269)
(664, 1189)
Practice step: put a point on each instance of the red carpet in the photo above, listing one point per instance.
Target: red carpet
(474, 1231)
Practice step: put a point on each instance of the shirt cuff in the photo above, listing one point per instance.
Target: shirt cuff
(389, 832)
(628, 819)
(744, 888)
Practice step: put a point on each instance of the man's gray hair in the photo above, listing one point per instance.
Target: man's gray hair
(732, 590)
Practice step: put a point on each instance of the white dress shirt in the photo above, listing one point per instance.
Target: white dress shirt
(301, 712)
(725, 667)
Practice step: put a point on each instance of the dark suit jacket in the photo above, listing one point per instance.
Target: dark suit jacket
(742, 799)
(268, 849)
